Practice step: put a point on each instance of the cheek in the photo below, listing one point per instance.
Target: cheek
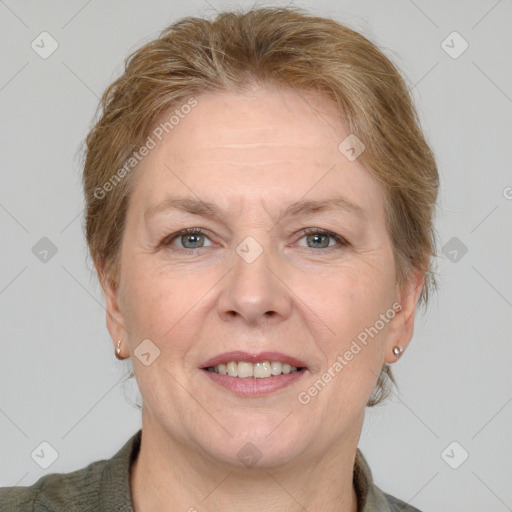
(166, 307)
(357, 299)
(357, 312)
(354, 353)
(151, 302)
(148, 302)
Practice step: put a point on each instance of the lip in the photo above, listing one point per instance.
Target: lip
(254, 387)
(239, 355)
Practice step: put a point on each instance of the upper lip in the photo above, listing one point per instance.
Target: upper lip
(239, 355)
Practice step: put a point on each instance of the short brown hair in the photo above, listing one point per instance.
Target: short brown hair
(283, 47)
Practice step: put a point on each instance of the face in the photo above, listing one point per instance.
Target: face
(289, 255)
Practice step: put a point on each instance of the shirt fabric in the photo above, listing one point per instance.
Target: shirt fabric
(104, 486)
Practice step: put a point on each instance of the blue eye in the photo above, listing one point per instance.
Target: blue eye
(319, 238)
(192, 238)
(196, 238)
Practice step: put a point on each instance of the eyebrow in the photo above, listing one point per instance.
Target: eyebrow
(301, 207)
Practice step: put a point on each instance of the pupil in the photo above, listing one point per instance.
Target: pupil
(317, 237)
(193, 239)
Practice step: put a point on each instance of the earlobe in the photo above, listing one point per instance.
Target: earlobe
(114, 315)
(402, 325)
(397, 351)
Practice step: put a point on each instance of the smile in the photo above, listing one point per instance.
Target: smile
(259, 370)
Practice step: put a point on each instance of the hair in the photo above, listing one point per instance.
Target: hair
(276, 47)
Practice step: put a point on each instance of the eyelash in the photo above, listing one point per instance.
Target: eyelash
(305, 232)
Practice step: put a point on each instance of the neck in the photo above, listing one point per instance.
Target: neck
(169, 475)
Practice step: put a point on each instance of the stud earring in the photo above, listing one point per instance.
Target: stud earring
(118, 350)
(397, 351)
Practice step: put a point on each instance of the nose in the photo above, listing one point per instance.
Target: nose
(255, 291)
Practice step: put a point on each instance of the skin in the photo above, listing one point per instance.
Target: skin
(252, 155)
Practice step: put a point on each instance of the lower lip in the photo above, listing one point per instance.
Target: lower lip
(255, 387)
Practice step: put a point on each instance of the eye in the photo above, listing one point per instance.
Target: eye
(319, 238)
(195, 238)
(191, 238)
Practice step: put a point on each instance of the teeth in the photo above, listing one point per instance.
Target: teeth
(232, 369)
(275, 367)
(260, 370)
(244, 369)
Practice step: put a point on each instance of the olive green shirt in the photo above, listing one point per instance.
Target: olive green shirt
(104, 486)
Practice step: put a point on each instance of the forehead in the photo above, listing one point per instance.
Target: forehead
(264, 114)
(263, 144)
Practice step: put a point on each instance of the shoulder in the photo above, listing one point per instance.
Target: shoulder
(392, 504)
(370, 497)
(17, 499)
(75, 491)
(102, 485)
(397, 505)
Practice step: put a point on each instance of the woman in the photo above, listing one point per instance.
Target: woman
(260, 200)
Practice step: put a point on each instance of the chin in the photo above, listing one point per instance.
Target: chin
(262, 447)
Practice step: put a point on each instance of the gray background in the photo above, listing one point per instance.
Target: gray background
(59, 380)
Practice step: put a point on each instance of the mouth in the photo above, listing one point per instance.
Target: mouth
(258, 366)
(259, 370)
(254, 374)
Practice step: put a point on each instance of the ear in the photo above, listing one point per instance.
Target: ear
(401, 326)
(114, 318)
